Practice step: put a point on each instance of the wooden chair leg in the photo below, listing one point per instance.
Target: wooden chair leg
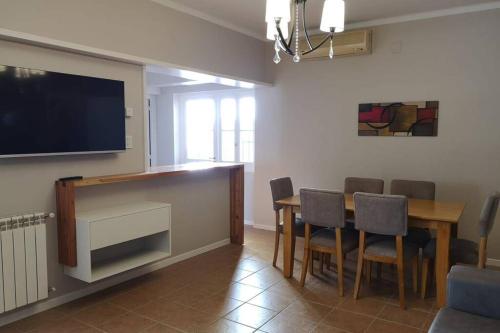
(276, 238)
(321, 262)
(379, 271)
(425, 274)
(307, 254)
(340, 261)
(401, 274)
(328, 261)
(359, 269)
(311, 262)
(414, 264)
(368, 272)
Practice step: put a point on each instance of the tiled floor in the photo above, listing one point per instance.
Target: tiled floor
(236, 289)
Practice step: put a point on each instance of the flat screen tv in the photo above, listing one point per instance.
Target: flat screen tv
(48, 113)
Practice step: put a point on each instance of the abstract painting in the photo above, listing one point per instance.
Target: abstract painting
(398, 119)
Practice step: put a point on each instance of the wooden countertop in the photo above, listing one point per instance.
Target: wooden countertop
(170, 170)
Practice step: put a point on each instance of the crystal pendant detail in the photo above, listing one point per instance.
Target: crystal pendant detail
(330, 54)
(277, 57)
(296, 58)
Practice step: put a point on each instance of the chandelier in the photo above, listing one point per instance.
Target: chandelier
(278, 16)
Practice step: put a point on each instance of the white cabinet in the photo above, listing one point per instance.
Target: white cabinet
(116, 239)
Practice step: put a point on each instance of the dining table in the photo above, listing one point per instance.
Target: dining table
(443, 217)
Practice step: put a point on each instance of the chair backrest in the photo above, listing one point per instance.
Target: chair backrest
(365, 185)
(488, 214)
(281, 188)
(381, 214)
(414, 189)
(322, 208)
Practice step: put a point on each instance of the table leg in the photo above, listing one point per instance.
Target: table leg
(442, 261)
(288, 248)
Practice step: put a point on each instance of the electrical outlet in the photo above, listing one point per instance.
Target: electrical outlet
(129, 112)
(128, 142)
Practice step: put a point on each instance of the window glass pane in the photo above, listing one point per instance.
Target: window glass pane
(247, 146)
(228, 114)
(227, 148)
(200, 120)
(247, 113)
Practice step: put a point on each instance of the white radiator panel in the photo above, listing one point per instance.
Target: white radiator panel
(41, 261)
(9, 286)
(31, 278)
(20, 266)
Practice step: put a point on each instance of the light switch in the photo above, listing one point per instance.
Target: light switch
(128, 142)
(129, 112)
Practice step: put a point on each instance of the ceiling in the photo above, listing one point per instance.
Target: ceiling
(247, 16)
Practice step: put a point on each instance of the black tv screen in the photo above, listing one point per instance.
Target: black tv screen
(45, 113)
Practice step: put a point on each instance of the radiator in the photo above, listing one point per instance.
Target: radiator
(23, 260)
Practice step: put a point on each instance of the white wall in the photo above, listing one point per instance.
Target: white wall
(307, 123)
(140, 28)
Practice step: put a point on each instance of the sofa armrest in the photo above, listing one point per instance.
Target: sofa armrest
(475, 291)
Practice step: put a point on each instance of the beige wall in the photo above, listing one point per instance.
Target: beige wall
(27, 184)
(307, 123)
(140, 28)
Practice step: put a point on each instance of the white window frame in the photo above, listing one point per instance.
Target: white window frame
(180, 112)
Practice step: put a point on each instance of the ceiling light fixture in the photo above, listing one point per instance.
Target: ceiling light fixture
(278, 16)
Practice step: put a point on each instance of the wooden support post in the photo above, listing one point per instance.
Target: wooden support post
(237, 189)
(66, 223)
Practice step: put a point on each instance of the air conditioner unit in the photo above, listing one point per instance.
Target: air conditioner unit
(348, 43)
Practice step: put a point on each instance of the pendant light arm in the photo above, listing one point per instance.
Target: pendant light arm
(282, 40)
(305, 26)
(319, 45)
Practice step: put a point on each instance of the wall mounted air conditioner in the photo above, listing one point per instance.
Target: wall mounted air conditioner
(348, 43)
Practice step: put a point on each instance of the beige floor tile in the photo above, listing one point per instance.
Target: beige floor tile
(313, 311)
(251, 265)
(127, 323)
(289, 323)
(66, 326)
(98, 314)
(368, 306)
(323, 328)
(218, 305)
(227, 326)
(241, 292)
(251, 315)
(413, 318)
(348, 321)
(161, 328)
(272, 300)
(382, 326)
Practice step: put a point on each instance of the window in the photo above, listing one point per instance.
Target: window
(218, 126)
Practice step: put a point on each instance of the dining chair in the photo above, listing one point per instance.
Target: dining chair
(282, 188)
(465, 251)
(326, 209)
(414, 189)
(384, 215)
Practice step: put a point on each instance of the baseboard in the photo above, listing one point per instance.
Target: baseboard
(95, 287)
(264, 227)
(248, 222)
(493, 262)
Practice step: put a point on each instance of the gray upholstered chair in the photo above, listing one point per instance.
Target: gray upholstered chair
(414, 189)
(462, 250)
(325, 209)
(472, 302)
(384, 215)
(282, 188)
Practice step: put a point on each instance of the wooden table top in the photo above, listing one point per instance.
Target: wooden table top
(418, 209)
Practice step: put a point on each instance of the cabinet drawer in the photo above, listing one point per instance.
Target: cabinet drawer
(120, 229)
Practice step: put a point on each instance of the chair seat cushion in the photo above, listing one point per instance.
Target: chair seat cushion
(387, 248)
(450, 320)
(418, 236)
(327, 238)
(461, 251)
(300, 228)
